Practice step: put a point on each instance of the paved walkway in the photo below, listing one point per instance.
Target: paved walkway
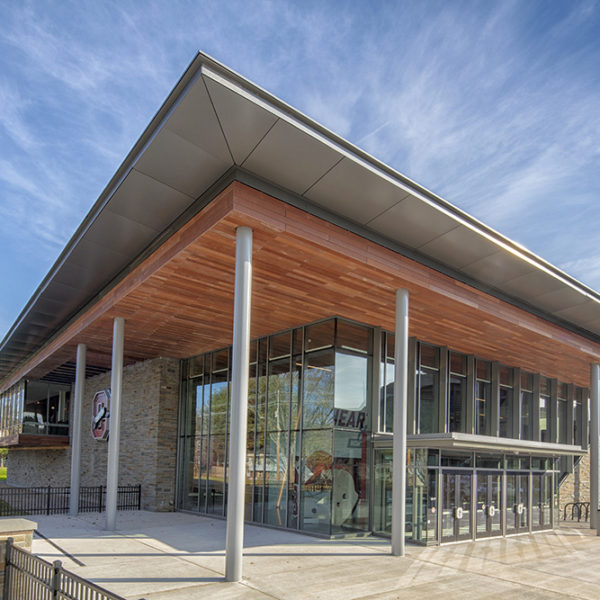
(171, 556)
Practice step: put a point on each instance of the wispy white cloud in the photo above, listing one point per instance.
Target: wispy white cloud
(492, 105)
(12, 118)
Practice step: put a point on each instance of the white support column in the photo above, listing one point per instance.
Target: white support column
(594, 383)
(76, 428)
(114, 428)
(400, 409)
(239, 404)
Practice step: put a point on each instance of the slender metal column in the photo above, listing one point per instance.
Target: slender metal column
(114, 430)
(594, 377)
(239, 404)
(76, 428)
(400, 414)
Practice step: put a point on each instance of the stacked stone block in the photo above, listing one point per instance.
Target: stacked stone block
(21, 532)
(576, 486)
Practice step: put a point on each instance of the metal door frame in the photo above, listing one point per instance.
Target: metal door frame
(486, 473)
(441, 489)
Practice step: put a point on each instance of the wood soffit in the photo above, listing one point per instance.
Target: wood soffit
(179, 301)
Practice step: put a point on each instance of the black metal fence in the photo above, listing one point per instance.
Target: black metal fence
(28, 577)
(55, 500)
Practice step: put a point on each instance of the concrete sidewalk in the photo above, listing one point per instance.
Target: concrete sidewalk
(169, 556)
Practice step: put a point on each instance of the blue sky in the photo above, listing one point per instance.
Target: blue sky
(492, 104)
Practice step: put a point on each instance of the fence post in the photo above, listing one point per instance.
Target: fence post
(139, 496)
(48, 502)
(7, 557)
(57, 564)
(100, 496)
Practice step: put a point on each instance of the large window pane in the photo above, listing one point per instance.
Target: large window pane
(428, 400)
(294, 483)
(561, 421)
(259, 478)
(458, 403)
(318, 386)
(580, 411)
(382, 508)
(350, 502)
(218, 403)
(200, 392)
(276, 471)
(429, 389)
(354, 337)
(278, 403)
(203, 464)
(216, 475)
(190, 473)
(350, 391)
(316, 479)
(526, 406)
(320, 335)
(506, 402)
(457, 393)
(483, 398)
(279, 345)
(250, 442)
(545, 418)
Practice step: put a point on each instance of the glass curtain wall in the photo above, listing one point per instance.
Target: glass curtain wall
(35, 408)
(518, 402)
(309, 449)
(12, 401)
(308, 424)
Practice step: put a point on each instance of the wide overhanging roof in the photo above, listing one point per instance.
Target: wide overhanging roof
(214, 121)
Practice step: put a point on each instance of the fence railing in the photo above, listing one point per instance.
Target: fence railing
(55, 500)
(28, 577)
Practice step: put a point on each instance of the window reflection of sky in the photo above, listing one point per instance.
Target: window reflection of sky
(351, 382)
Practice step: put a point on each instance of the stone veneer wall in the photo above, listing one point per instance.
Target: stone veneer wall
(576, 486)
(148, 448)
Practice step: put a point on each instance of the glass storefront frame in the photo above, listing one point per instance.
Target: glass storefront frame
(453, 510)
(312, 385)
(309, 451)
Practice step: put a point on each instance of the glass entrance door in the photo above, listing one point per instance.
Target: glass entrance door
(489, 504)
(517, 503)
(456, 506)
(541, 501)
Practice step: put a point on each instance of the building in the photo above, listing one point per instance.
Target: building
(502, 347)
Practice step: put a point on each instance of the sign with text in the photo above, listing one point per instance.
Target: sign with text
(354, 419)
(100, 406)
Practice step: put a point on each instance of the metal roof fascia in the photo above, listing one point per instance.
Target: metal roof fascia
(278, 107)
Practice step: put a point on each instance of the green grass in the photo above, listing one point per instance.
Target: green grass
(2, 473)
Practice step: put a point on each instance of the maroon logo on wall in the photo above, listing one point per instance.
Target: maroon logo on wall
(100, 415)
